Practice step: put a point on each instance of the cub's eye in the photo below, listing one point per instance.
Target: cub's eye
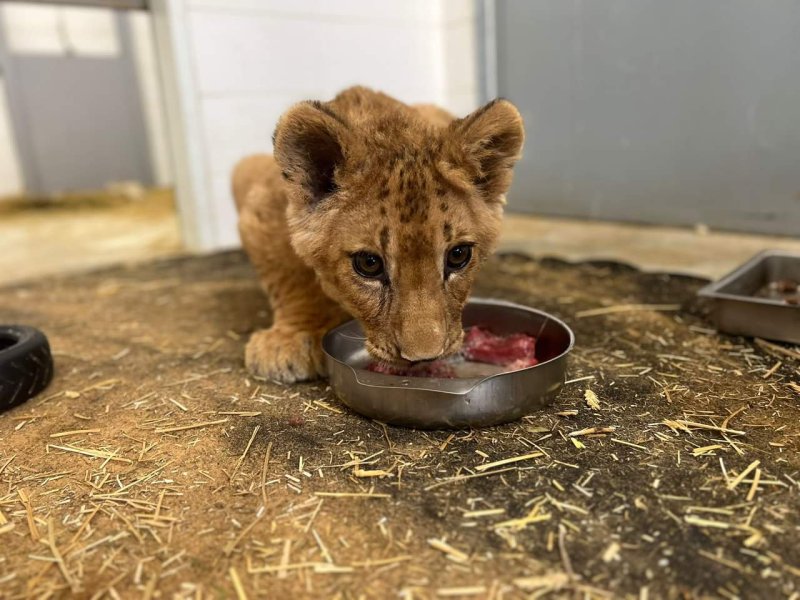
(458, 257)
(368, 265)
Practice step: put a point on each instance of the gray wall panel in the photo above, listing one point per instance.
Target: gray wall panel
(673, 112)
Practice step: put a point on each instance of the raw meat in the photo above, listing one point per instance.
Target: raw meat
(481, 345)
(784, 290)
(511, 353)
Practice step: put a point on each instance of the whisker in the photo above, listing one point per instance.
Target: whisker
(358, 338)
(541, 329)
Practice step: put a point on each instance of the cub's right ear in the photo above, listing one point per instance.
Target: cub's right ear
(309, 146)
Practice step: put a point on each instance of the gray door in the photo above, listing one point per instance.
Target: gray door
(77, 120)
(675, 112)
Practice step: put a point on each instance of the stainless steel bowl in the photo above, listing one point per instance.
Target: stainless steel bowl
(432, 403)
(737, 309)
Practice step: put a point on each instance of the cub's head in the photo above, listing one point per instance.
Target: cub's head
(396, 215)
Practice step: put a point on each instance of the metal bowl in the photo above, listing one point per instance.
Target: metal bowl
(738, 310)
(433, 403)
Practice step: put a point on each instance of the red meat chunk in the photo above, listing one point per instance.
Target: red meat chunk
(386, 369)
(517, 349)
(512, 352)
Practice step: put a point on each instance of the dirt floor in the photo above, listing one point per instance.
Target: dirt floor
(154, 466)
(80, 231)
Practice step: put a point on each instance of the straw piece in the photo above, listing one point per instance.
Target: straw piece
(287, 567)
(5, 464)
(26, 502)
(74, 432)
(592, 401)
(562, 550)
(703, 450)
(93, 453)
(470, 590)
(523, 522)
(776, 348)
(264, 474)
(192, 426)
(754, 487)
(724, 561)
(287, 548)
(231, 546)
(237, 584)
(611, 553)
(328, 568)
(51, 542)
(772, 370)
(457, 478)
(732, 485)
(623, 308)
(488, 512)
(351, 495)
(444, 547)
(631, 444)
(697, 425)
(379, 562)
(246, 450)
(507, 461)
(548, 582)
(587, 378)
(701, 522)
(326, 406)
(591, 431)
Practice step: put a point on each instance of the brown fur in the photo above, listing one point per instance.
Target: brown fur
(365, 172)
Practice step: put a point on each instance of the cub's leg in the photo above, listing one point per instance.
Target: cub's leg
(290, 350)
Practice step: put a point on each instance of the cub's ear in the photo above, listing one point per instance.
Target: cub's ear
(492, 139)
(309, 146)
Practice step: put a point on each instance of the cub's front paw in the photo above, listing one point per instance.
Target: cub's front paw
(285, 354)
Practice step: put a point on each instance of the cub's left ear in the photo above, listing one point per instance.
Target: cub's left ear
(492, 139)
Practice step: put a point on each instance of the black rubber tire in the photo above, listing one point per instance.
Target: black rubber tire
(26, 365)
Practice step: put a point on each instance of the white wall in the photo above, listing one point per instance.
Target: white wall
(233, 66)
(152, 96)
(460, 55)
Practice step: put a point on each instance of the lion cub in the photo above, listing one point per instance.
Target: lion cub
(375, 209)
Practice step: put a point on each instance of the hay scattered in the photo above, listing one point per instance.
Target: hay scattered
(156, 467)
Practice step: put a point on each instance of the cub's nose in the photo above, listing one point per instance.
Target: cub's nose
(418, 343)
(419, 356)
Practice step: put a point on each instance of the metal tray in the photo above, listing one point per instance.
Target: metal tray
(433, 403)
(737, 310)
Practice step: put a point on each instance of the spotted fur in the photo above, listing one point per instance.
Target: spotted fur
(367, 173)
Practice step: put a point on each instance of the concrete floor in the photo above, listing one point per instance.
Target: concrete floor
(79, 235)
(698, 251)
(85, 232)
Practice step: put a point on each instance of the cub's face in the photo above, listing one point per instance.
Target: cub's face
(396, 216)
